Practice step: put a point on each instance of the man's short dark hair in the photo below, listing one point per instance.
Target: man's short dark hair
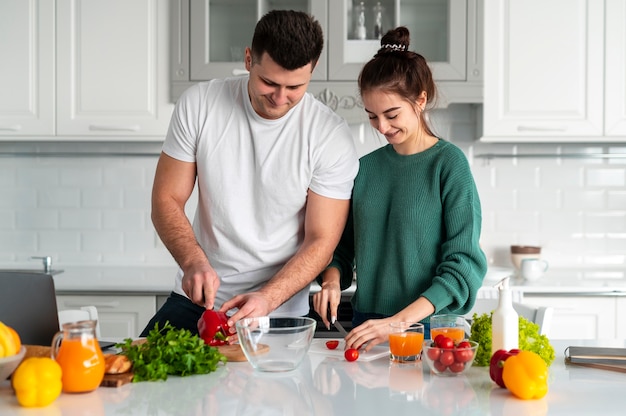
(291, 38)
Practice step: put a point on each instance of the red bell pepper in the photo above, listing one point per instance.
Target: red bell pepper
(497, 364)
(213, 328)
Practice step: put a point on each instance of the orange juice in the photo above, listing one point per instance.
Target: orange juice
(456, 334)
(82, 363)
(406, 344)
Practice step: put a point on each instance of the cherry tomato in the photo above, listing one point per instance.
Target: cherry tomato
(351, 354)
(463, 355)
(331, 345)
(438, 338)
(447, 358)
(464, 344)
(439, 366)
(456, 367)
(445, 343)
(434, 353)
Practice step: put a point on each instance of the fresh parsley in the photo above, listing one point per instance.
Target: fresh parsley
(170, 351)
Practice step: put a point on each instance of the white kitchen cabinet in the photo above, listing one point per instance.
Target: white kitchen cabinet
(209, 37)
(120, 316)
(615, 92)
(27, 69)
(579, 317)
(620, 325)
(84, 70)
(112, 68)
(544, 70)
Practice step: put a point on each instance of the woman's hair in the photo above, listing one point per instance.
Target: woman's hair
(397, 70)
(291, 38)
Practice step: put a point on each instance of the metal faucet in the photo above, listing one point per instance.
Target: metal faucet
(47, 263)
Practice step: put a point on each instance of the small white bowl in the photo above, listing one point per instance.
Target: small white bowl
(275, 344)
(9, 364)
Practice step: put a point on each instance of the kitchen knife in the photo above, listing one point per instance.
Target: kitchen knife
(340, 328)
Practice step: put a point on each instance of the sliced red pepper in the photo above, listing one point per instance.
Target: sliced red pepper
(496, 364)
(213, 328)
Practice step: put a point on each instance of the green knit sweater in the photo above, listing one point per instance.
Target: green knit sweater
(413, 230)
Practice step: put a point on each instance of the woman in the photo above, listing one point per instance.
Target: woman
(414, 226)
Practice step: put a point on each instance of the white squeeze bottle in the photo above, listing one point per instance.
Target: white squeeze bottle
(505, 321)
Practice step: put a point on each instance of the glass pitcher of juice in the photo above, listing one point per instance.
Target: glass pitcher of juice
(77, 351)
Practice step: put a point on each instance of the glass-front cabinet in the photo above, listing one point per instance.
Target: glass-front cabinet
(438, 32)
(208, 39)
(220, 30)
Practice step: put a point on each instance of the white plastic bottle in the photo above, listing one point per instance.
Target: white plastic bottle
(505, 321)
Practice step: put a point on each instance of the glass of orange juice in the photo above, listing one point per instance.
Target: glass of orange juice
(405, 341)
(450, 325)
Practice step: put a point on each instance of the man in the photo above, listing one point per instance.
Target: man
(275, 170)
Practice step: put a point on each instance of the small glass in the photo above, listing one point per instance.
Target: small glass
(405, 341)
(452, 326)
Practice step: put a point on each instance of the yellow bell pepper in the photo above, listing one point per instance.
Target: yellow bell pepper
(9, 341)
(37, 381)
(526, 375)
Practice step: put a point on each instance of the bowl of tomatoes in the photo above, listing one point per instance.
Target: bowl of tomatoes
(448, 358)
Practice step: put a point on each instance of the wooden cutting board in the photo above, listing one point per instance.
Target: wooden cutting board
(234, 353)
(117, 380)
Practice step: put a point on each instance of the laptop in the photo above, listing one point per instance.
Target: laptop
(28, 304)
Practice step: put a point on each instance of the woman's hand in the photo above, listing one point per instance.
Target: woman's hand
(326, 301)
(370, 333)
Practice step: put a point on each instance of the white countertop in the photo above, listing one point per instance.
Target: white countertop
(160, 280)
(328, 385)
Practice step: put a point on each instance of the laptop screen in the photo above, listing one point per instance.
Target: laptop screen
(28, 305)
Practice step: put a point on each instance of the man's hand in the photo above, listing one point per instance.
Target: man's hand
(250, 305)
(200, 284)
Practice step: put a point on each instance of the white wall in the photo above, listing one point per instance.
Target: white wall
(95, 210)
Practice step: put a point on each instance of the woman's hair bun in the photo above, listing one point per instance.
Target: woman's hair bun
(395, 40)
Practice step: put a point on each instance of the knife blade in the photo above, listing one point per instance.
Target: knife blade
(340, 328)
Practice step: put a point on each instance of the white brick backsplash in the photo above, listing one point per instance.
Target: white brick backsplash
(125, 219)
(616, 199)
(59, 241)
(36, 219)
(31, 173)
(81, 176)
(58, 198)
(103, 241)
(81, 219)
(18, 198)
(605, 177)
(7, 219)
(585, 200)
(8, 177)
(102, 198)
(605, 222)
(537, 200)
(131, 176)
(96, 209)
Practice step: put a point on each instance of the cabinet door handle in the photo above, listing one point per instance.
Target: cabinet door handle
(96, 127)
(541, 128)
(238, 72)
(76, 304)
(15, 127)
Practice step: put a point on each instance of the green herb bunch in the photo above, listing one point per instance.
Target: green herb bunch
(529, 339)
(170, 351)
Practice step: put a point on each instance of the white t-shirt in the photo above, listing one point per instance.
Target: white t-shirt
(253, 176)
